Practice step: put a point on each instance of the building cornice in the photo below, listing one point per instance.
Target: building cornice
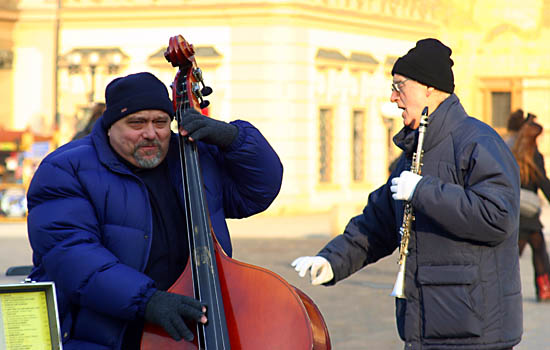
(7, 15)
(322, 14)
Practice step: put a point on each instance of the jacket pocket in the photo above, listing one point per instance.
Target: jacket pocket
(451, 301)
(93, 327)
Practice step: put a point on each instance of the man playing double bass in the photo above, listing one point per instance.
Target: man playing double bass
(106, 221)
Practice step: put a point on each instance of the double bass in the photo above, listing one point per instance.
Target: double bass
(248, 307)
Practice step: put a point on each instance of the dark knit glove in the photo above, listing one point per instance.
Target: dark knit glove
(169, 311)
(208, 130)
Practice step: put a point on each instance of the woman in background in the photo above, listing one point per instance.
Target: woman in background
(533, 176)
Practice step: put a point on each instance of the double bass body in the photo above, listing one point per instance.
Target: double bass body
(262, 310)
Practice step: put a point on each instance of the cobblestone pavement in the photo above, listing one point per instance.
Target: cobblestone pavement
(358, 311)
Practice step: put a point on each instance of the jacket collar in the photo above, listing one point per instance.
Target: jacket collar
(105, 153)
(441, 123)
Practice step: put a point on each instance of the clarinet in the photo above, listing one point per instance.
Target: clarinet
(408, 213)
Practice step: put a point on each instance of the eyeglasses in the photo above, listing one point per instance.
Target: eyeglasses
(397, 85)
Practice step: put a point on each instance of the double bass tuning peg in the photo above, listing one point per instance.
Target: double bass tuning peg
(206, 90)
(199, 94)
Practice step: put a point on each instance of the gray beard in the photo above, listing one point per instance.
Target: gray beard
(151, 162)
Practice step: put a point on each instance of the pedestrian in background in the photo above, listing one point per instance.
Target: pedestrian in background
(515, 121)
(462, 287)
(97, 111)
(533, 177)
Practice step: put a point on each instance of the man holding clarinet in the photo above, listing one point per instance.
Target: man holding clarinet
(460, 287)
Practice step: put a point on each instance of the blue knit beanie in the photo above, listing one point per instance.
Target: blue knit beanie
(133, 93)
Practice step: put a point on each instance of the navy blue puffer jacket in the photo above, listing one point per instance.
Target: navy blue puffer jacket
(90, 224)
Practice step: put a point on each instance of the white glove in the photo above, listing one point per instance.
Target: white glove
(321, 271)
(403, 186)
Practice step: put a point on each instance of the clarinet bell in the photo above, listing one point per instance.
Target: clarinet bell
(399, 286)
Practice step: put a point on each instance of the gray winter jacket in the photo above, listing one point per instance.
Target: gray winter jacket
(462, 283)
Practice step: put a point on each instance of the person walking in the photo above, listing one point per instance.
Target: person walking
(533, 177)
(515, 121)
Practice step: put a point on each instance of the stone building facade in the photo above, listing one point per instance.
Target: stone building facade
(312, 75)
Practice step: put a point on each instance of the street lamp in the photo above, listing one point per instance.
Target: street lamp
(84, 60)
(93, 61)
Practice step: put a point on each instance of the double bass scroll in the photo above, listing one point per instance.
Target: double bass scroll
(248, 307)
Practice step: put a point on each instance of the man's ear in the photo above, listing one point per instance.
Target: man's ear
(429, 91)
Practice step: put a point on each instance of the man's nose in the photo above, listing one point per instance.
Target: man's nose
(394, 96)
(149, 131)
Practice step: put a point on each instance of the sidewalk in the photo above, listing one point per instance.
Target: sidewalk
(358, 310)
(545, 219)
(288, 227)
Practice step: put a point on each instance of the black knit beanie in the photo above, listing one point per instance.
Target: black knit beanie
(429, 63)
(133, 93)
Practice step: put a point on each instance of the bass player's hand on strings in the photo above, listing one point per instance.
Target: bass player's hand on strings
(215, 132)
(170, 311)
(321, 271)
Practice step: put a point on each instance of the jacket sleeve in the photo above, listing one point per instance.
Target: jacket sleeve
(253, 172)
(485, 208)
(367, 237)
(67, 247)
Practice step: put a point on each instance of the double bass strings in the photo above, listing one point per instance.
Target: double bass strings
(203, 252)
